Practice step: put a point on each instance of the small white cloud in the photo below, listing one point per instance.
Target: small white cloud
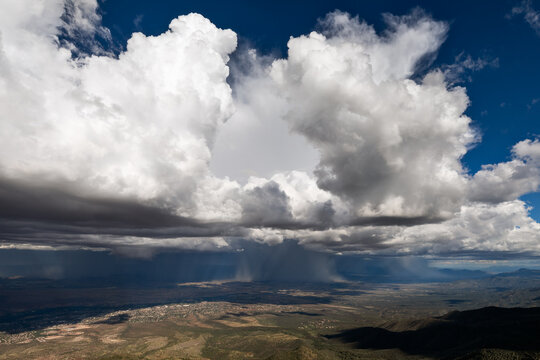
(509, 180)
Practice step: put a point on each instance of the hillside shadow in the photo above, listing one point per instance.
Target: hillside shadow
(456, 333)
(23, 321)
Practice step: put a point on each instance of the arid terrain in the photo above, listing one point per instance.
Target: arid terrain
(254, 320)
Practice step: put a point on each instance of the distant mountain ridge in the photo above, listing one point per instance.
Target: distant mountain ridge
(523, 272)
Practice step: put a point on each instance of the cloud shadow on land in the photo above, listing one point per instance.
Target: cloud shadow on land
(82, 284)
(29, 304)
(455, 334)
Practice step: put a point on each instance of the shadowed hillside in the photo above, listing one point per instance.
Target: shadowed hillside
(456, 334)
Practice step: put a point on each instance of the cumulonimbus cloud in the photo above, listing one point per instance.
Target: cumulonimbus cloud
(112, 151)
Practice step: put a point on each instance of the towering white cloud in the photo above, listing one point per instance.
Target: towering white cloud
(392, 56)
(388, 145)
(138, 125)
(115, 152)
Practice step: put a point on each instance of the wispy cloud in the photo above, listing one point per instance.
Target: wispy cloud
(464, 65)
(531, 15)
(533, 103)
(138, 21)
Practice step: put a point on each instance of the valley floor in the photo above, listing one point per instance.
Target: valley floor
(235, 320)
